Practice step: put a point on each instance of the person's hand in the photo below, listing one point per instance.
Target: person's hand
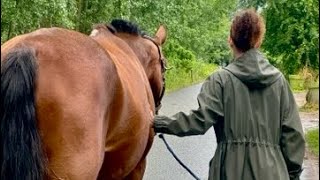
(152, 129)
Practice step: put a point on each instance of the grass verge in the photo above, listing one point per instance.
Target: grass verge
(179, 78)
(312, 138)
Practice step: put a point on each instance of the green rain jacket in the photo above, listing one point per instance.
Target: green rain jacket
(253, 111)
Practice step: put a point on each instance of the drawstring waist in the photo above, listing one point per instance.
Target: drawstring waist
(249, 142)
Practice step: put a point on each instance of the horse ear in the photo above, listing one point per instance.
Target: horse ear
(161, 35)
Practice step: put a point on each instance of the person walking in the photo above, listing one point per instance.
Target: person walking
(252, 109)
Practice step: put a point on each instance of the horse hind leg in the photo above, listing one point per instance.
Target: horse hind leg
(73, 137)
(138, 172)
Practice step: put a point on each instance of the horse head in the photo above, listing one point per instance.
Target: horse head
(147, 50)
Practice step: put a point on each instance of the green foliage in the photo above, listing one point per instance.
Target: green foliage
(185, 68)
(23, 16)
(177, 78)
(199, 26)
(178, 56)
(197, 30)
(292, 34)
(252, 3)
(312, 138)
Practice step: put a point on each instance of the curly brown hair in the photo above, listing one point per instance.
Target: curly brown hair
(247, 30)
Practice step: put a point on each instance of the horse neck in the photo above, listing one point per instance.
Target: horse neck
(136, 47)
(114, 44)
(107, 40)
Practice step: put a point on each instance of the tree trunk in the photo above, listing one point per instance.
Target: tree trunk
(313, 95)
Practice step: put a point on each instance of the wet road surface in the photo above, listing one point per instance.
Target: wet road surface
(194, 151)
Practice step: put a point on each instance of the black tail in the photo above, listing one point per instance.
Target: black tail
(22, 156)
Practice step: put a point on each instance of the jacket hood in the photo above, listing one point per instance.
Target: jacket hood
(254, 70)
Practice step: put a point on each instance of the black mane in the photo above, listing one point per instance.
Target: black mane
(123, 26)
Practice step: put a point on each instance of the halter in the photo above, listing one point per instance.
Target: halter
(163, 70)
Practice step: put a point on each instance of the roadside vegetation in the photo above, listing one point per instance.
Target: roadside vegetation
(312, 138)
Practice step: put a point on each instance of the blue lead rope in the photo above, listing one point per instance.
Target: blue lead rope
(175, 156)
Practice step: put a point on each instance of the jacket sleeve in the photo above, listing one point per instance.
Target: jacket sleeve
(197, 121)
(292, 137)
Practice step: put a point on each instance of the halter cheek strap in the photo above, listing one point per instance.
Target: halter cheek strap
(158, 104)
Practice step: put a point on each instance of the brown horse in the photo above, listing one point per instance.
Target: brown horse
(79, 107)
